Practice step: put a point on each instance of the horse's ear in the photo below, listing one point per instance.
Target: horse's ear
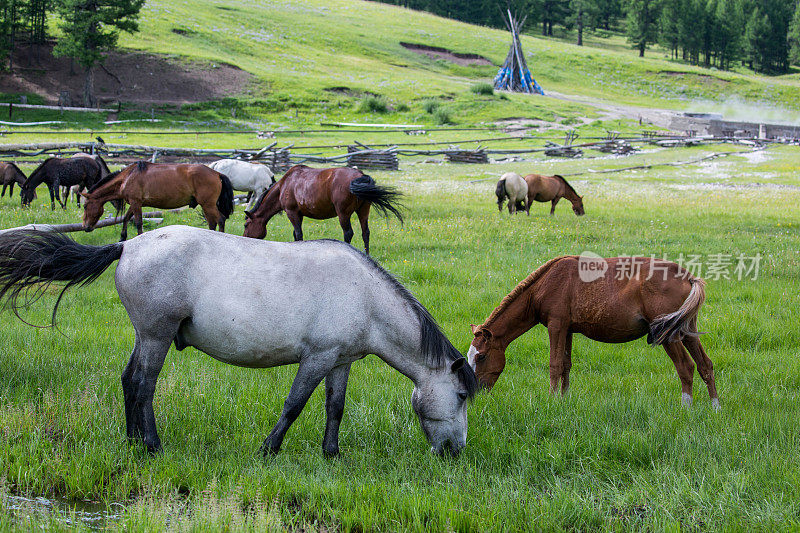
(457, 364)
(248, 214)
(474, 328)
(85, 195)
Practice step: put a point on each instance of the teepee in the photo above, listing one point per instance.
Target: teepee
(514, 74)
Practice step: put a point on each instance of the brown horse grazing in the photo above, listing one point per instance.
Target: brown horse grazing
(9, 175)
(320, 194)
(164, 186)
(608, 300)
(552, 189)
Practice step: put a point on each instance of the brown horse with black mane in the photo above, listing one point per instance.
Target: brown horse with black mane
(608, 300)
(552, 189)
(320, 194)
(166, 186)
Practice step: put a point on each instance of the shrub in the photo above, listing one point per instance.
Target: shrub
(373, 104)
(430, 105)
(482, 88)
(402, 108)
(442, 116)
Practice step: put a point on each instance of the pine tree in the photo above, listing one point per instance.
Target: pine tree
(794, 37)
(642, 23)
(90, 29)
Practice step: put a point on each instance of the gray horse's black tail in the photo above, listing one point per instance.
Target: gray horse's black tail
(225, 200)
(385, 199)
(500, 192)
(31, 260)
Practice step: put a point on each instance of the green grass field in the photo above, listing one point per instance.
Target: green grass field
(619, 452)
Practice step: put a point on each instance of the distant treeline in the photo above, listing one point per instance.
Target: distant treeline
(763, 34)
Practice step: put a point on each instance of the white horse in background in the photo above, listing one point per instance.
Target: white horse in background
(515, 188)
(254, 178)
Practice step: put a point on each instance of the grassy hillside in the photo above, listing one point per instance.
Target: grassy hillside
(296, 48)
(315, 61)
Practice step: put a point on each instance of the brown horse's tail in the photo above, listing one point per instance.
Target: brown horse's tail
(225, 200)
(385, 199)
(682, 323)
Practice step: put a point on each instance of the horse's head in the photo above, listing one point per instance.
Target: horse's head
(500, 192)
(253, 227)
(27, 194)
(577, 206)
(92, 211)
(486, 356)
(441, 405)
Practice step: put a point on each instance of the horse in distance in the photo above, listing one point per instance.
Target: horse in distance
(621, 300)
(165, 186)
(250, 176)
(513, 187)
(168, 281)
(320, 194)
(56, 172)
(9, 175)
(552, 189)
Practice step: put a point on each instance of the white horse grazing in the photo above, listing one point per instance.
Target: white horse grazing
(515, 188)
(254, 178)
(300, 314)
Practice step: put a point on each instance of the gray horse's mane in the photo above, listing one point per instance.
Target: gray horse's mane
(436, 347)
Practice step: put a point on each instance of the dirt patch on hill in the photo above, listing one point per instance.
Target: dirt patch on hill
(435, 52)
(133, 77)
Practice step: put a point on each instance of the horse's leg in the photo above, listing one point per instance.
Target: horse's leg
(4, 191)
(567, 365)
(335, 388)
(129, 389)
(137, 218)
(249, 197)
(212, 216)
(152, 352)
(297, 222)
(124, 233)
(558, 345)
(347, 227)
(363, 219)
(704, 367)
(52, 197)
(553, 204)
(310, 373)
(685, 368)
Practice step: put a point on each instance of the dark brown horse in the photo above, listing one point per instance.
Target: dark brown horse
(9, 175)
(57, 172)
(164, 186)
(552, 189)
(607, 300)
(320, 194)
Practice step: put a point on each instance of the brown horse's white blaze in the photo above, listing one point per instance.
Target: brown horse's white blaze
(622, 303)
(165, 186)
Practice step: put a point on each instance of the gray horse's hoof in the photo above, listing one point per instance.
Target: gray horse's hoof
(715, 404)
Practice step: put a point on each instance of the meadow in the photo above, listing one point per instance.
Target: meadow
(618, 452)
